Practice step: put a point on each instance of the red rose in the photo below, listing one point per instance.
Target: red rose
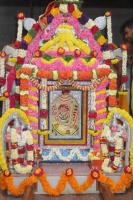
(29, 147)
(94, 29)
(2, 81)
(70, 7)
(108, 62)
(124, 79)
(17, 44)
(20, 60)
(43, 113)
(20, 160)
(92, 114)
(21, 151)
(111, 46)
(36, 27)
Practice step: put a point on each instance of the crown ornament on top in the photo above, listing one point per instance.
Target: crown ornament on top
(69, 1)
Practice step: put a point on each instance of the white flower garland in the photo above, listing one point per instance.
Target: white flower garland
(109, 29)
(108, 55)
(90, 24)
(119, 145)
(2, 66)
(124, 62)
(20, 29)
(26, 138)
(43, 105)
(22, 53)
(73, 152)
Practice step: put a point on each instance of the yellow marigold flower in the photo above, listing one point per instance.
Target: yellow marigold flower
(28, 38)
(54, 11)
(114, 61)
(77, 13)
(101, 40)
(13, 60)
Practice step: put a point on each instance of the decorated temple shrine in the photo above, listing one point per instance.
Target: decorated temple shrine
(63, 117)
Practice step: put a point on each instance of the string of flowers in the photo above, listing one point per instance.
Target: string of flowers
(109, 26)
(55, 75)
(16, 161)
(91, 86)
(112, 99)
(67, 177)
(20, 17)
(129, 119)
(3, 119)
(24, 92)
(44, 87)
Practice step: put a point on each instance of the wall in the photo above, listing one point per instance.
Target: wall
(8, 22)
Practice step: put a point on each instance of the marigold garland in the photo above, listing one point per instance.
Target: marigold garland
(81, 75)
(124, 182)
(16, 191)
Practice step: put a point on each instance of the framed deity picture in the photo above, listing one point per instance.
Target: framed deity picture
(67, 121)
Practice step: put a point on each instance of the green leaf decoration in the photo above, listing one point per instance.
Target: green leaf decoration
(87, 59)
(32, 32)
(97, 35)
(47, 57)
(68, 58)
(18, 66)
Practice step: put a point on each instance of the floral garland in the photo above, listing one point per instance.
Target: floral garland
(91, 86)
(43, 107)
(67, 177)
(2, 64)
(16, 161)
(109, 26)
(3, 119)
(129, 119)
(44, 87)
(118, 140)
(65, 75)
(112, 92)
(20, 17)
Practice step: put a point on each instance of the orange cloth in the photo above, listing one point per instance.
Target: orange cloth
(123, 100)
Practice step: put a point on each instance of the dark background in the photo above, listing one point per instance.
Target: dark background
(89, 3)
(121, 10)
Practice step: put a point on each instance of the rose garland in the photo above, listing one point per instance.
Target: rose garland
(16, 161)
(117, 139)
(124, 182)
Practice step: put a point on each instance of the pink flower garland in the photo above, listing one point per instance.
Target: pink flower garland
(58, 65)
